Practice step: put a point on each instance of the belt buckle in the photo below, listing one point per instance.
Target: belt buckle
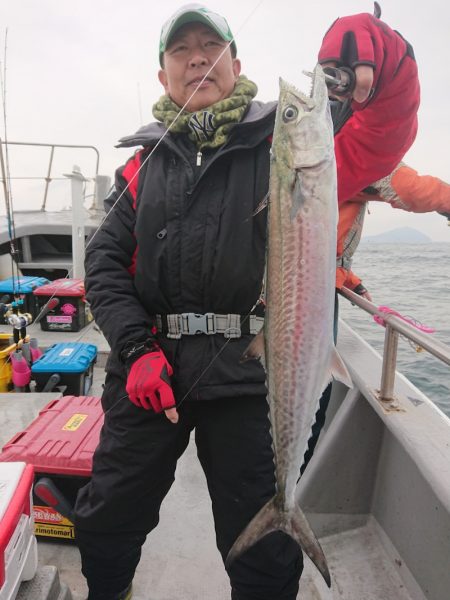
(195, 324)
(233, 329)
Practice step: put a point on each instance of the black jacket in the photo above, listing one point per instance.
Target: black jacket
(183, 238)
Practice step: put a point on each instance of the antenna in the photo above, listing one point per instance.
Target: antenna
(139, 102)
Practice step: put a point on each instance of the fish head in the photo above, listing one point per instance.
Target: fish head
(303, 133)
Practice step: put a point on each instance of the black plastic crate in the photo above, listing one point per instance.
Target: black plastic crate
(71, 312)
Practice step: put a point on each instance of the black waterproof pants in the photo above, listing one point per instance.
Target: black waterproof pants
(133, 470)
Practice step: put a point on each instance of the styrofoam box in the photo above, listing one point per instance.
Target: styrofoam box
(18, 548)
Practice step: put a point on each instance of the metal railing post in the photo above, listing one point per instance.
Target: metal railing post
(102, 187)
(396, 326)
(389, 364)
(48, 179)
(78, 239)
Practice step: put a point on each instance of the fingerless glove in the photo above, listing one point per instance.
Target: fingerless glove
(148, 383)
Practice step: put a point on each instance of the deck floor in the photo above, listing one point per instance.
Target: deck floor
(180, 560)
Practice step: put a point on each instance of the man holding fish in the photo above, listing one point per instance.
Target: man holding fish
(176, 281)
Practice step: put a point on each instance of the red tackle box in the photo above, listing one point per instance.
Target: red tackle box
(59, 444)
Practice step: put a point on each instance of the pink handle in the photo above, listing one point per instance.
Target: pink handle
(409, 320)
(35, 353)
(21, 372)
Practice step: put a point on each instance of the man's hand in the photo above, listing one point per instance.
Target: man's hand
(362, 291)
(363, 82)
(148, 384)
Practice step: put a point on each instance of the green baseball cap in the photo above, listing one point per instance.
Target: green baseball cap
(195, 13)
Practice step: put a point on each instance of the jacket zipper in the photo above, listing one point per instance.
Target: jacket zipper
(224, 150)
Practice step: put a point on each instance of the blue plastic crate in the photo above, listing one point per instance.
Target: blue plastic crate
(24, 286)
(73, 362)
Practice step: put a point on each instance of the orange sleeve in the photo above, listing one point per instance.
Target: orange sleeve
(348, 213)
(420, 193)
(346, 279)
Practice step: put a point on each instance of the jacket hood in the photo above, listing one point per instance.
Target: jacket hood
(150, 134)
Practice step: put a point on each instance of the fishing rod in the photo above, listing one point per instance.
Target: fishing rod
(26, 349)
(17, 302)
(340, 81)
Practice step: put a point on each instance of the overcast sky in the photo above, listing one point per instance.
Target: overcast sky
(85, 73)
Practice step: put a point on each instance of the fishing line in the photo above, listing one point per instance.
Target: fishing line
(70, 271)
(208, 366)
(7, 182)
(175, 120)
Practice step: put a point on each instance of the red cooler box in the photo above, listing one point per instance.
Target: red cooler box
(71, 312)
(18, 549)
(59, 444)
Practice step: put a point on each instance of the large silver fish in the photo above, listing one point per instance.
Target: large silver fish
(296, 344)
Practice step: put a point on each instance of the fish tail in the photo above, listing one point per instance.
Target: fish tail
(293, 522)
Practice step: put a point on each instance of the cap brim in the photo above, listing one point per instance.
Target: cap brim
(194, 17)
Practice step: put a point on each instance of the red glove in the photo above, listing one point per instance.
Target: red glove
(365, 40)
(148, 383)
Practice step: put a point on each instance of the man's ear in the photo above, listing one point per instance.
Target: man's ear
(162, 78)
(236, 67)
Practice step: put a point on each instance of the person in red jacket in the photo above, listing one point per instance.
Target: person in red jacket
(383, 123)
(173, 273)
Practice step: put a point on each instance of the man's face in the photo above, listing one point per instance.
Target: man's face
(192, 51)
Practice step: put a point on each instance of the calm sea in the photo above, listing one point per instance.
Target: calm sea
(414, 280)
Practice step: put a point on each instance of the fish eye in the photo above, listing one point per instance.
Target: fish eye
(289, 113)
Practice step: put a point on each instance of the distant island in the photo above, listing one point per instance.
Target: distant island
(400, 235)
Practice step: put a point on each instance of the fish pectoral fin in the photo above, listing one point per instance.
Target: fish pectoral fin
(298, 197)
(255, 350)
(293, 522)
(339, 370)
(262, 205)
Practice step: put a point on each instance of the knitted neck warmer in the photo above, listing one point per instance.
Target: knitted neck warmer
(208, 127)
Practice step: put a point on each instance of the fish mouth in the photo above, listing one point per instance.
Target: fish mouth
(307, 99)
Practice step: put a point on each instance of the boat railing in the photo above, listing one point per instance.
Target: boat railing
(48, 177)
(396, 326)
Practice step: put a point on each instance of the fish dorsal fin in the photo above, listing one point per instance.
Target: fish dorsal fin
(339, 370)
